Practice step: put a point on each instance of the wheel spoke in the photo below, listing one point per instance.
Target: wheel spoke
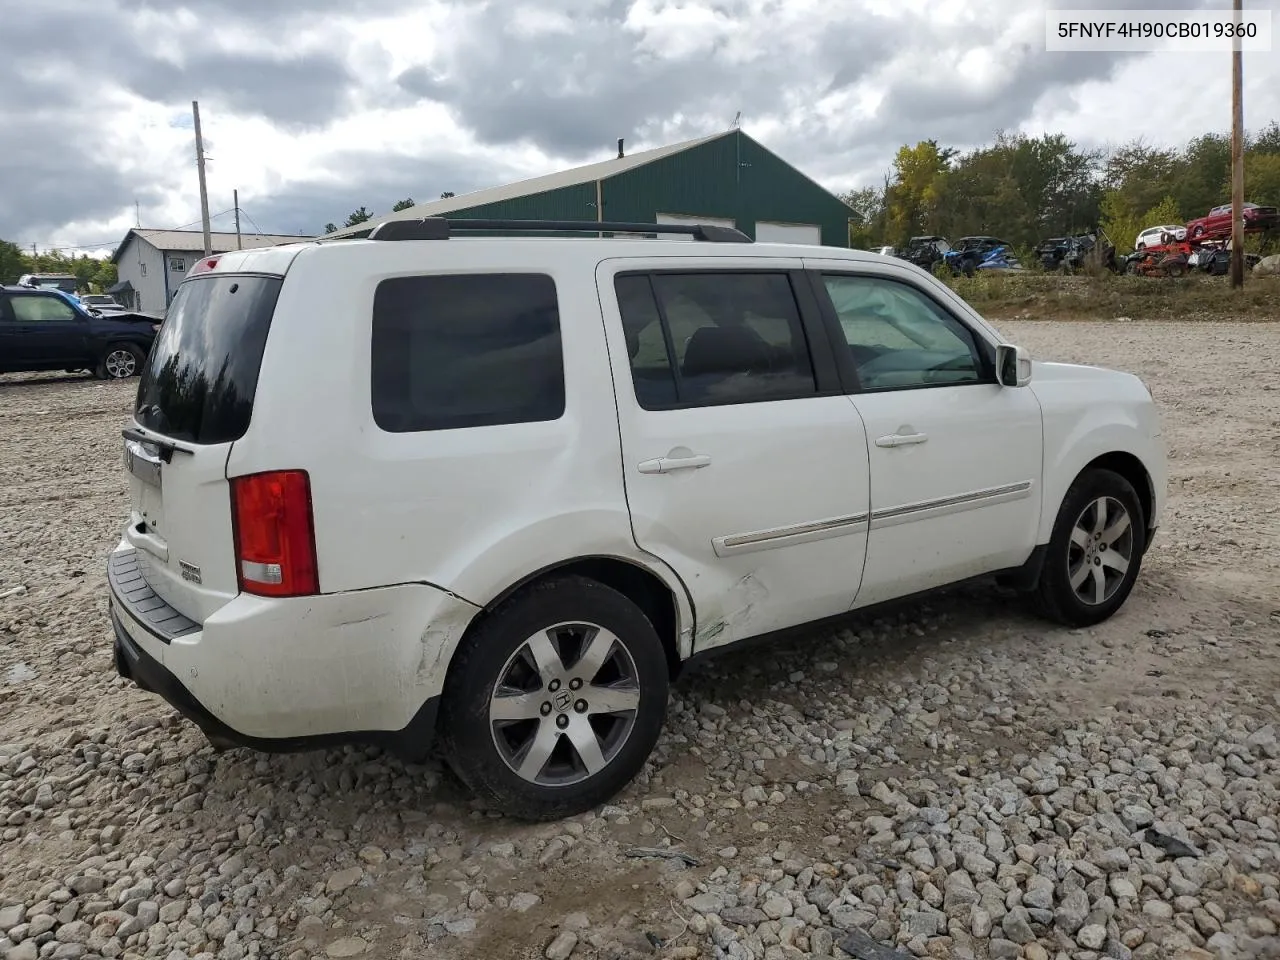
(584, 741)
(539, 752)
(1099, 515)
(1080, 537)
(612, 699)
(1113, 532)
(594, 656)
(524, 706)
(1115, 561)
(1099, 585)
(1078, 578)
(543, 651)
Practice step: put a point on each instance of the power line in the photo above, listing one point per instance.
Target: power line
(115, 242)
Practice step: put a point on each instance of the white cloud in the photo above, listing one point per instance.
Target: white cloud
(331, 105)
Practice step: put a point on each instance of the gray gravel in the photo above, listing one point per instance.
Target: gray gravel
(956, 779)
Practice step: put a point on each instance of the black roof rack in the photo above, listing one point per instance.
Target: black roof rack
(441, 228)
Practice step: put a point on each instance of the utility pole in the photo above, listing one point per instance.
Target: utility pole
(1237, 155)
(204, 195)
(137, 214)
(236, 202)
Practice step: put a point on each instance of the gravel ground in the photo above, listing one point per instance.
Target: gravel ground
(957, 778)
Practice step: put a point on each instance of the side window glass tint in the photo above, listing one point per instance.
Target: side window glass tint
(651, 371)
(734, 337)
(466, 351)
(900, 338)
(39, 309)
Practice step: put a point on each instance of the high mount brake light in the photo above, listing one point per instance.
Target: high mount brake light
(203, 265)
(275, 540)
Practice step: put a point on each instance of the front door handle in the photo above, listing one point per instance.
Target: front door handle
(671, 464)
(901, 439)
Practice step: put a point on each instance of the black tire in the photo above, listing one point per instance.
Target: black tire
(1055, 595)
(120, 361)
(496, 651)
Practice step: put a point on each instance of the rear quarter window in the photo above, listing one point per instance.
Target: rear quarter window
(466, 350)
(202, 374)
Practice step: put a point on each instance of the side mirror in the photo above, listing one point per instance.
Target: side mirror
(1013, 366)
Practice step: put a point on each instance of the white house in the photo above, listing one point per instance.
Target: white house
(151, 263)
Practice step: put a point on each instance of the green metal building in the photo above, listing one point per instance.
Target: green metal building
(727, 179)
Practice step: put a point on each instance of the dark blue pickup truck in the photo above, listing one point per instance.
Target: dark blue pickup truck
(41, 329)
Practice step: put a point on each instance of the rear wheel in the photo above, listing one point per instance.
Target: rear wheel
(1095, 551)
(555, 702)
(119, 362)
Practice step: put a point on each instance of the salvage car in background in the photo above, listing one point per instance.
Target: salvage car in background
(1217, 222)
(1159, 236)
(924, 252)
(45, 329)
(102, 302)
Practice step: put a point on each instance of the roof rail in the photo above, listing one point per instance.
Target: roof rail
(441, 228)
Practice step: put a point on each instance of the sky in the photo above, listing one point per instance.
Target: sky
(312, 108)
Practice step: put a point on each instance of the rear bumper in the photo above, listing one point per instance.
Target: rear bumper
(134, 663)
(296, 674)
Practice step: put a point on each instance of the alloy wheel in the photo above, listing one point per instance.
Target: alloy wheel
(1100, 551)
(564, 704)
(120, 364)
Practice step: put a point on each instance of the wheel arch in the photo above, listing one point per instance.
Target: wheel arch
(1135, 471)
(668, 610)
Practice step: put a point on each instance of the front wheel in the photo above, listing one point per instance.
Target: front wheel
(1095, 551)
(121, 361)
(554, 703)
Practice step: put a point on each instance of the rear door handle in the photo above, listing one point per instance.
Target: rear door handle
(901, 439)
(671, 464)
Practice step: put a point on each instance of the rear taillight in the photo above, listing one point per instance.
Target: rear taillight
(203, 266)
(274, 534)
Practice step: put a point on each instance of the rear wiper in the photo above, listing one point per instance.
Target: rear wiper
(167, 447)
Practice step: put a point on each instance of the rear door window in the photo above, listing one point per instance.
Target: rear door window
(699, 339)
(41, 308)
(201, 378)
(466, 350)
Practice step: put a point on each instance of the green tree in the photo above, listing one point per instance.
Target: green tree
(1262, 178)
(868, 224)
(912, 199)
(1123, 222)
(1143, 174)
(330, 228)
(1203, 167)
(447, 194)
(1267, 140)
(13, 263)
(358, 217)
(404, 204)
(106, 277)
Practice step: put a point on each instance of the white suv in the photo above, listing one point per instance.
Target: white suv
(499, 489)
(1158, 236)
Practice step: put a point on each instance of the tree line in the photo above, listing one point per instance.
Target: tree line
(1024, 189)
(94, 275)
(360, 215)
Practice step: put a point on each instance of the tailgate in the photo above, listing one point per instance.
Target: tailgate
(180, 523)
(195, 399)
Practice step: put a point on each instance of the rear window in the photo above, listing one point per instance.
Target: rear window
(463, 350)
(200, 380)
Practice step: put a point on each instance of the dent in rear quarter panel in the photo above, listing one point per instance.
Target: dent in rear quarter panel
(315, 665)
(1089, 412)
